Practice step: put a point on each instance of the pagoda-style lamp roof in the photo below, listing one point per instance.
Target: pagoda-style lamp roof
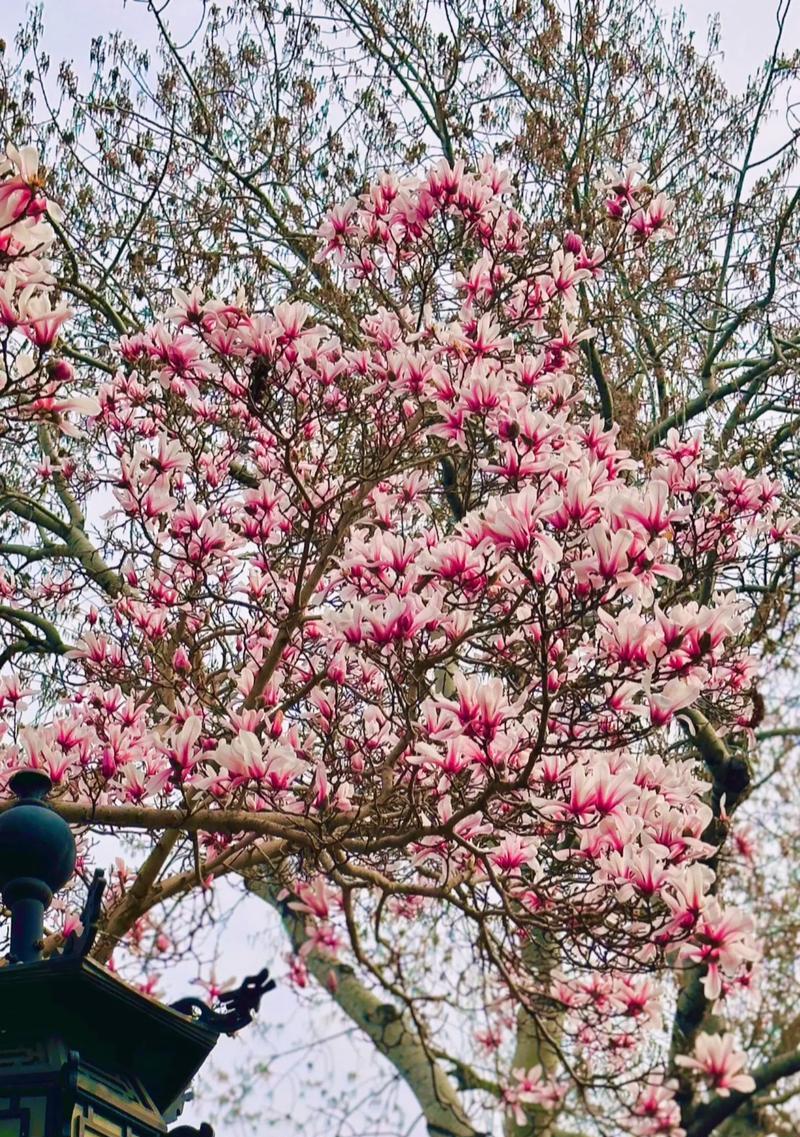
(75, 1040)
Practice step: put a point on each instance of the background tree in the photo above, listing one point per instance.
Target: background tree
(179, 175)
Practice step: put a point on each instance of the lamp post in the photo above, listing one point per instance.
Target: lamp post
(83, 1054)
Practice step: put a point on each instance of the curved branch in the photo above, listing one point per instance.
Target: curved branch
(708, 1117)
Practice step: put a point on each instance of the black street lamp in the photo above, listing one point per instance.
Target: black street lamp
(83, 1054)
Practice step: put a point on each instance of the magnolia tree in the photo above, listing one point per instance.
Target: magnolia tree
(390, 626)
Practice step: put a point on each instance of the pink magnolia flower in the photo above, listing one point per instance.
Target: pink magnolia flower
(598, 791)
(564, 276)
(516, 522)
(20, 186)
(675, 695)
(137, 784)
(625, 637)
(717, 1058)
(659, 1112)
(182, 752)
(275, 766)
(722, 941)
(610, 555)
(40, 322)
(513, 853)
(321, 938)
(12, 691)
(529, 1088)
(336, 228)
(652, 510)
(653, 223)
(482, 706)
(314, 898)
(689, 895)
(622, 189)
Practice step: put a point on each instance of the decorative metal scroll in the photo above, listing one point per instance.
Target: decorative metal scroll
(80, 944)
(240, 1005)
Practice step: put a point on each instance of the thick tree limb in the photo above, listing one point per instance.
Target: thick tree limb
(384, 1024)
(71, 534)
(730, 784)
(534, 1046)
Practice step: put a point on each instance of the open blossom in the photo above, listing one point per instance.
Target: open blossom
(598, 790)
(337, 226)
(722, 942)
(41, 322)
(530, 1088)
(622, 188)
(717, 1058)
(674, 696)
(652, 223)
(691, 895)
(273, 766)
(657, 1112)
(315, 898)
(20, 187)
(513, 854)
(518, 522)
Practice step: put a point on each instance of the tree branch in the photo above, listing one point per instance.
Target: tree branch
(707, 1117)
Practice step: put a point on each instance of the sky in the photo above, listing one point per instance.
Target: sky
(748, 26)
(748, 32)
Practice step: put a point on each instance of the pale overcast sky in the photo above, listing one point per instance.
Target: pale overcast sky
(747, 27)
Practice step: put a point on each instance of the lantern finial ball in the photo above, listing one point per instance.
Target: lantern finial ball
(37, 858)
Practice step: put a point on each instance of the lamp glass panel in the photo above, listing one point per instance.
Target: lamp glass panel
(23, 1117)
(87, 1122)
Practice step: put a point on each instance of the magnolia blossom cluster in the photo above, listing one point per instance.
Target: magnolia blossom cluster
(395, 601)
(530, 1088)
(646, 213)
(30, 318)
(655, 1112)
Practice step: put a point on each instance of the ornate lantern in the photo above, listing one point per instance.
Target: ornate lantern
(83, 1054)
